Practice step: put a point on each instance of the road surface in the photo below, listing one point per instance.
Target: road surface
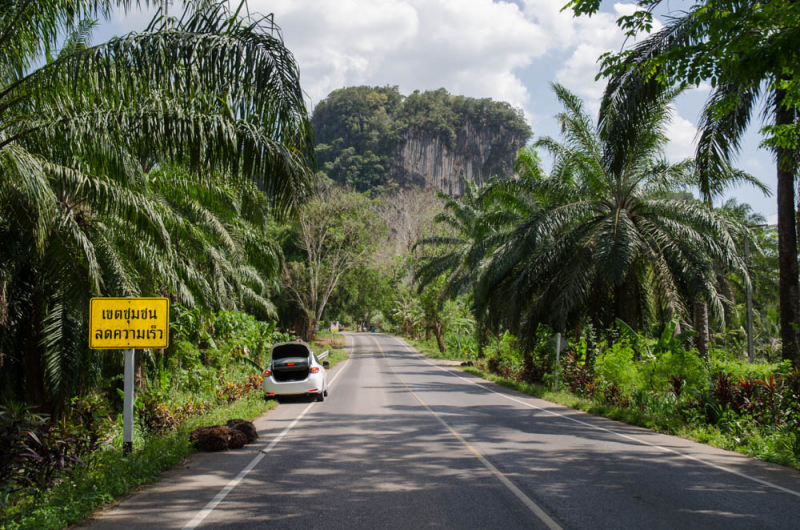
(403, 442)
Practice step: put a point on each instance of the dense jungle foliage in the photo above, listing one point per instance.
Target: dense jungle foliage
(125, 173)
(359, 129)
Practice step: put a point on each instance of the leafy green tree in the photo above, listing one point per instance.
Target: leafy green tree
(409, 311)
(363, 293)
(748, 50)
(602, 241)
(222, 254)
(336, 232)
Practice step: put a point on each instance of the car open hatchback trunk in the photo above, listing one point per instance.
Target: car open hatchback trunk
(291, 362)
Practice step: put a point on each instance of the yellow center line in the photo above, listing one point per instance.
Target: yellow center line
(532, 506)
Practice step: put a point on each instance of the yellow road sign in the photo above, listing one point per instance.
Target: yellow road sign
(125, 323)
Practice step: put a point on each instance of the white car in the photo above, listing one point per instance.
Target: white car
(295, 370)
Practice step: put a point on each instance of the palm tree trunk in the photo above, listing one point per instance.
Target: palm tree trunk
(787, 243)
(701, 327)
(33, 364)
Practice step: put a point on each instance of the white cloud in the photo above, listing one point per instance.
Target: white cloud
(704, 87)
(681, 133)
(476, 48)
(591, 37)
(578, 75)
(470, 47)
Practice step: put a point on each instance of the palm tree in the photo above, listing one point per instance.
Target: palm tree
(465, 220)
(211, 92)
(607, 238)
(725, 118)
(473, 222)
(219, 229)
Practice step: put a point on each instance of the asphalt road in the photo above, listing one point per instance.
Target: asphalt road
(403, 442)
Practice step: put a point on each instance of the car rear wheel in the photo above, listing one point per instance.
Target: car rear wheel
(321, 396)
(325, 393)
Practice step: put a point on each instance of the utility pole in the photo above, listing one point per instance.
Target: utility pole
(749, 297)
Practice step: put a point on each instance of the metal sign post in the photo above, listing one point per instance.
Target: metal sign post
(126, 324)
(127, 406)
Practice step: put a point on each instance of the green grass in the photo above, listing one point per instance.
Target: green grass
(112, 475)
(337, 356)
(563, 397)
(334, 343)
(743, 437)
(430, 349)
(324, 340)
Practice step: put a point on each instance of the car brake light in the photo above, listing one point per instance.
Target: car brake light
(267, 372)
(271, 393)
(289, 364)
(313, 390)
(314, 369)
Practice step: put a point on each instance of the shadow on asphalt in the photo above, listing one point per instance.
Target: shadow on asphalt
(405, 470)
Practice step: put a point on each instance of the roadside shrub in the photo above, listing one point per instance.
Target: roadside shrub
(743, 369)
(34, 452)
(16, 421)
(503, 358)
(678, 370)
(615, 367)
(615, 395)
(156, 416)
(90, 425)
(577, 376)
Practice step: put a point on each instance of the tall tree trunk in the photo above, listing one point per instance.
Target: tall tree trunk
(308, 333)
(481, 330)
(33, 361)
(701, 327)
(787, 243)
(437, 330)
(626, 301)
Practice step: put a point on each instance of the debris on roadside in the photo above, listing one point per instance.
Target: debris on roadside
(233, 435)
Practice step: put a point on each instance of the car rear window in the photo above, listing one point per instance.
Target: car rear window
(290, 350)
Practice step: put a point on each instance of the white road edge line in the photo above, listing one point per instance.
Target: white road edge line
(219, 497)
(625, 436)
(518, 493)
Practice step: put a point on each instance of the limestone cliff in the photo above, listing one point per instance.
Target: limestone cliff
(375, 139)
(479, 153)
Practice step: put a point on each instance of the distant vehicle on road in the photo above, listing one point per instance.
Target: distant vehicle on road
(295, 370)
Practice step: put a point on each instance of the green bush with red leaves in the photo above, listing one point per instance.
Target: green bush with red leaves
(35, 451)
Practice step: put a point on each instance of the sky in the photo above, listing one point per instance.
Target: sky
(509, 50)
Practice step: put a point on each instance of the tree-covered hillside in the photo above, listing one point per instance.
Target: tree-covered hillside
(360, 132)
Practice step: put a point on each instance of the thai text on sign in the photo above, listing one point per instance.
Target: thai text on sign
(124, 323)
